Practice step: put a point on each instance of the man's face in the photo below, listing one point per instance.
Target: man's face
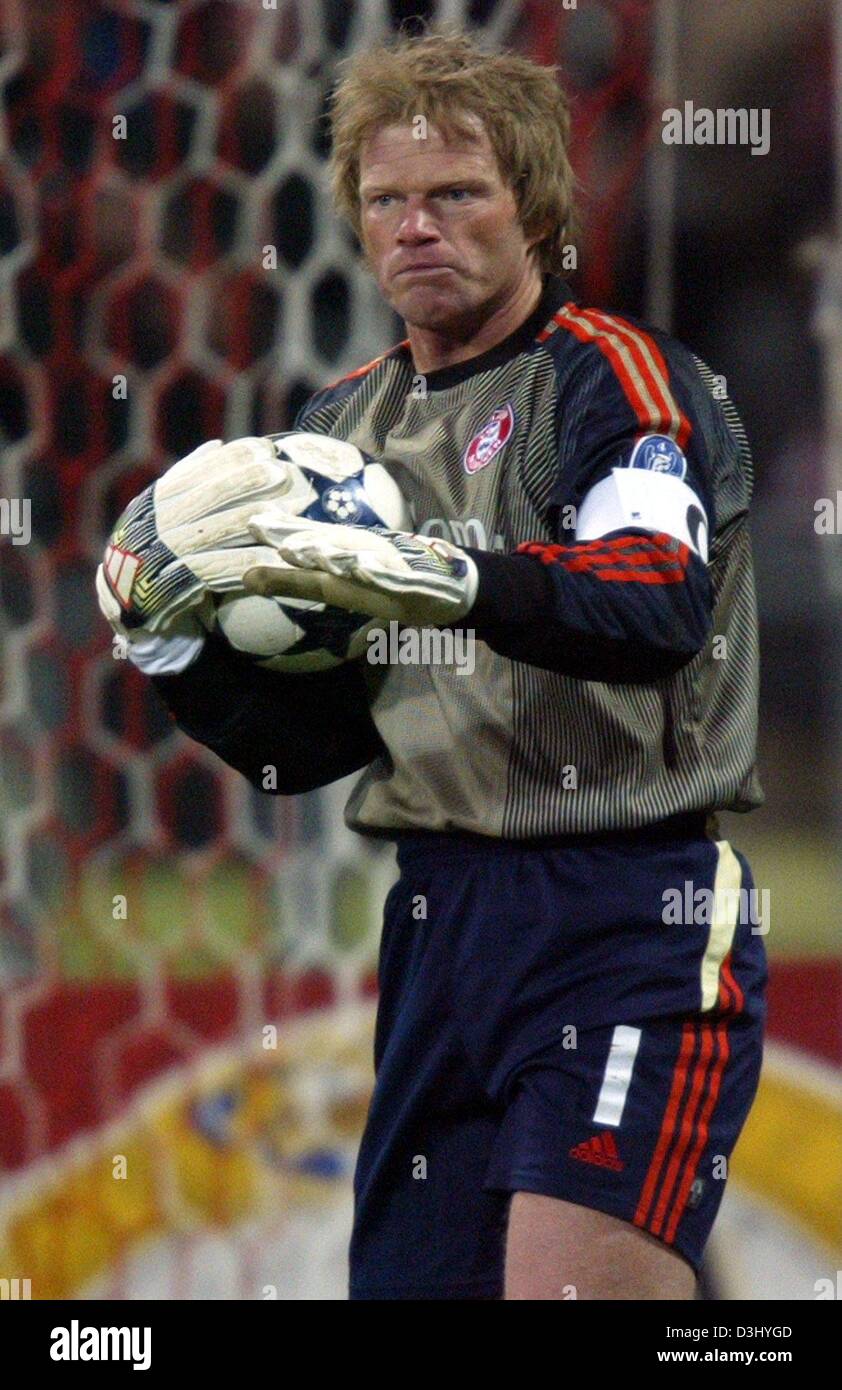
(439, 227)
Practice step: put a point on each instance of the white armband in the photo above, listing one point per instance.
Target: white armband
(642, 498)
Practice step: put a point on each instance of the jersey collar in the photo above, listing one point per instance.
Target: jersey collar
(556, 292)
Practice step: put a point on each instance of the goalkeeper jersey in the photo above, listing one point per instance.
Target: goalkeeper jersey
(496, 453)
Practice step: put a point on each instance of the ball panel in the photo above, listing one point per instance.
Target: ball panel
(255, 625)
(386, 498)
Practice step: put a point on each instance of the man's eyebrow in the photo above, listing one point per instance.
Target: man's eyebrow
(457, 181)
(466, 181)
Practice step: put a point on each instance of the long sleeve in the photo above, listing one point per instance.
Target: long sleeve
(630, 607)
(628, 600)
(311, 728)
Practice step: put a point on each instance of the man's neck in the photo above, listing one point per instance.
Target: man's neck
(432, 350)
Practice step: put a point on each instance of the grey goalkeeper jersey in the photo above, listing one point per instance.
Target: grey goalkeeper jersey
(499, 451)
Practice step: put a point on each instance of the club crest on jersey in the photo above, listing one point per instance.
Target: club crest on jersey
(659, 454)
(488, 442)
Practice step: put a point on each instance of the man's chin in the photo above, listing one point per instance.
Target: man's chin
(435, 308)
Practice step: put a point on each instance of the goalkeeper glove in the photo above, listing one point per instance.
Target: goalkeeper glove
(186, 535)
(417, 580)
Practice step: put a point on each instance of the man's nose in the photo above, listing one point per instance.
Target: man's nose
(417, 223)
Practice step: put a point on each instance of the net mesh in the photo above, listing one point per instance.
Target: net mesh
(188, 965)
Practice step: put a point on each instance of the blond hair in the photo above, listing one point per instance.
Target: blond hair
(447, 78)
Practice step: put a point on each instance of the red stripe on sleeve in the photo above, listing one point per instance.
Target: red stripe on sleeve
(655, 559)
(633, 338)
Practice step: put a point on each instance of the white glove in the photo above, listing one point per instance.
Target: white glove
(187, 535)
(166, 656)
(417, 580)
(155, 654)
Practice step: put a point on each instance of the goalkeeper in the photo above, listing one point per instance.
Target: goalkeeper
(572, 1065)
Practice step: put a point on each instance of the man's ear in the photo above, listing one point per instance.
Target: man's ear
(533, 242)
(538, 236)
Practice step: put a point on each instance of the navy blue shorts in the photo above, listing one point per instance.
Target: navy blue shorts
(583, 1021)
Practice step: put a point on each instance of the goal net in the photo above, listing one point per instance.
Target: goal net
(188, 966)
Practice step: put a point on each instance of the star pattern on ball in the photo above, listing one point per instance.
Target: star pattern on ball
(344, 502)
(340, 503)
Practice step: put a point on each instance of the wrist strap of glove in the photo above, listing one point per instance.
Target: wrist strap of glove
(164, 656)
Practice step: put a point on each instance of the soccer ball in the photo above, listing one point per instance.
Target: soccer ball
(341, 484)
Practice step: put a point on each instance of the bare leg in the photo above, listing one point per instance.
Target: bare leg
(557, 1250)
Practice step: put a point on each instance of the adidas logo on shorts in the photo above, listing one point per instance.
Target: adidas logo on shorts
(601, 1150)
